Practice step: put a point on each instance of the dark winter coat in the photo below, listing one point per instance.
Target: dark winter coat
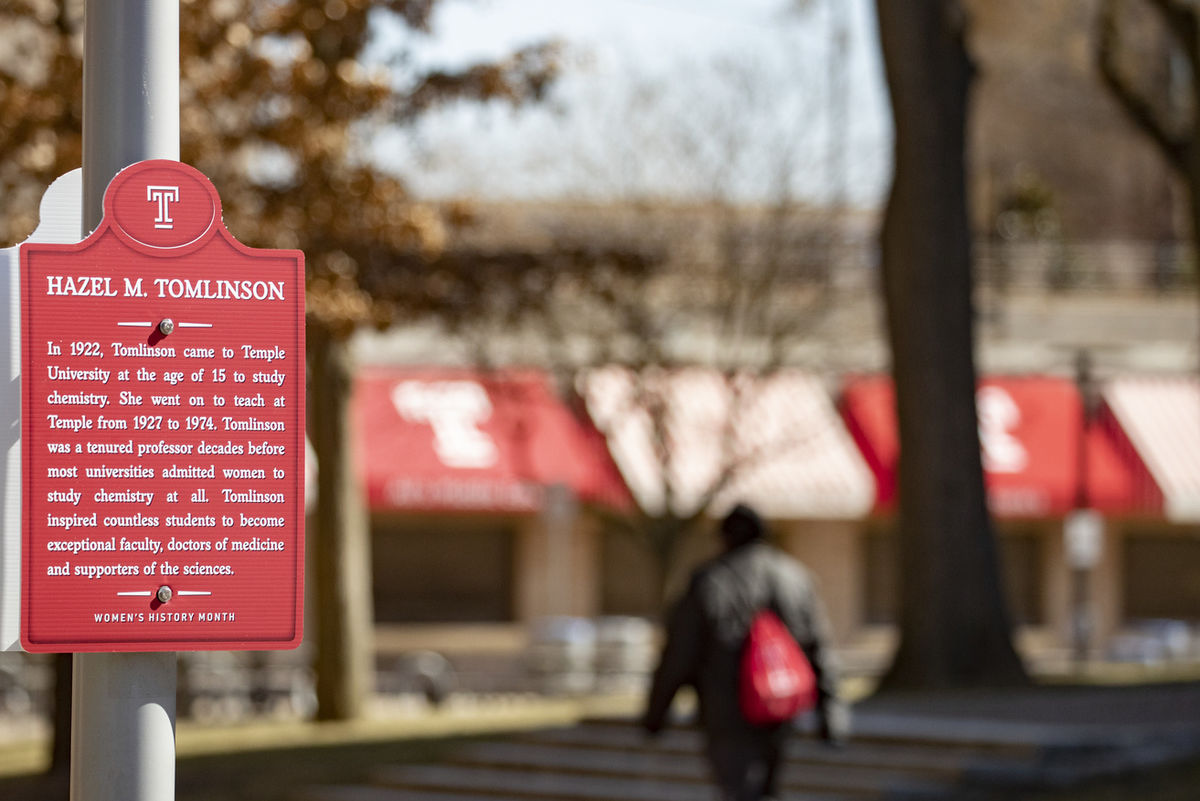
(708, 628)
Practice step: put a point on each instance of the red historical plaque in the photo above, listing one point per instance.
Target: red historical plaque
(162, 429)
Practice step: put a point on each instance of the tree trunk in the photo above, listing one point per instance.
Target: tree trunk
(342, 545)
(1192, 179)
(954, 627)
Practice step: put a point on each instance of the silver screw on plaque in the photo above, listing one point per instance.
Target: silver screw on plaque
(166, 326)
(164, 593)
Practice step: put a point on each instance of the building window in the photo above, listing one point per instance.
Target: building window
(1161, 577)
(442, 572)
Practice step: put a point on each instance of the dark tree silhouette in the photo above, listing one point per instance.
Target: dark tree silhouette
(954, 627)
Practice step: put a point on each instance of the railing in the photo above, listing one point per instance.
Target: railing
(1020, 265)
(1057, 266)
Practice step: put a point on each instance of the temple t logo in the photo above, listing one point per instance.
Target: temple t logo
(164, 196)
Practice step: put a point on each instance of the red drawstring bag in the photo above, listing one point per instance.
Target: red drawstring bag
(777, 682)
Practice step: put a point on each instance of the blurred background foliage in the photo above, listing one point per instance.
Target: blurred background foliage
(277, 109)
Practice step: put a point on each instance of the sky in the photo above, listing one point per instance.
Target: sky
(683, 98)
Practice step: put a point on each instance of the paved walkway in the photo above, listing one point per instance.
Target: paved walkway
(1073, 734)
(918, 745)
(1152, 704)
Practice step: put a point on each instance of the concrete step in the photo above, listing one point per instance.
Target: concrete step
(528, 785)
(364, 792)
(957, 736)
(892, 757)
(935, 756)
(861, 778)
(606, 759)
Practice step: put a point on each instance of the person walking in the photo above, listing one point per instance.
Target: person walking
(706, 632)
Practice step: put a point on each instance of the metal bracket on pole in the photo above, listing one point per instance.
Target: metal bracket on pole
(123, 705)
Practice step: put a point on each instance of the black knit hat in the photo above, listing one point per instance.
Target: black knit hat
(742, 525)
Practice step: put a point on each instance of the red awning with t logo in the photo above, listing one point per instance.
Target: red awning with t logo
(446, 439)
(1030, 429)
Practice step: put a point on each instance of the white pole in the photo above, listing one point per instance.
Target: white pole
(123, 705)
(123, 727)
(130, 91)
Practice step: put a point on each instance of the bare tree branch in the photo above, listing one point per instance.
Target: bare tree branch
(1181, 21)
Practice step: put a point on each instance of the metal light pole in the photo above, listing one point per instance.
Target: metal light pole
(123, 704)
(1083, 528)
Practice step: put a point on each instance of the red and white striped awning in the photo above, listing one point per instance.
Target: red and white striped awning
(1030, 430)
(1161, 418)
(695, 437)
